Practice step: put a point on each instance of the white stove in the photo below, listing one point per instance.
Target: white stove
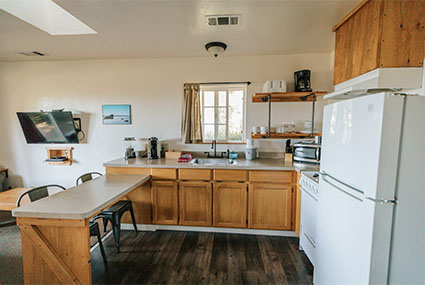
(309, 196)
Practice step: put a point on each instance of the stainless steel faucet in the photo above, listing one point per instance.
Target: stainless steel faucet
(214, 147)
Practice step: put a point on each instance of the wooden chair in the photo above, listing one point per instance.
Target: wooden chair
(112, 214)
(42, 192)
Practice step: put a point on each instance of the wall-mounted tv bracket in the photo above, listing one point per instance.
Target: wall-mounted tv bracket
(77, 124)
(265, 99)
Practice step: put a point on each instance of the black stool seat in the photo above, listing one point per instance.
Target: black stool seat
(118, 206)
(114, 214)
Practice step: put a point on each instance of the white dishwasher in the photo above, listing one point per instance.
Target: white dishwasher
(309, 195)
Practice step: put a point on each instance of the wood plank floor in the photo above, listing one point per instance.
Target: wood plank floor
(201, 258)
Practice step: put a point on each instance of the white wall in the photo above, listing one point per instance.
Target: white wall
(153, 87)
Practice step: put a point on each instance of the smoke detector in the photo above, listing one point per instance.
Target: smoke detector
(32, 53)
(215, 48)
(224, 20)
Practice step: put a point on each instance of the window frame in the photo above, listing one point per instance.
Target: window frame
(228, 88)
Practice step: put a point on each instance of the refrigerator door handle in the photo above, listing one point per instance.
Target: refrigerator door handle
(323, 173)
(383, 201)
(325, 178)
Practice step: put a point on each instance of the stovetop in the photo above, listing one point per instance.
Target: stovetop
(312, 175)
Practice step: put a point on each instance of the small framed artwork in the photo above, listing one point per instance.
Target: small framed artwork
(116, 114)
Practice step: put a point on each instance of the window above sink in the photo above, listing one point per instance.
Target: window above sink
(223, 113)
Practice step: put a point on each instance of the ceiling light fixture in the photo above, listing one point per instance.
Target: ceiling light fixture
(47, 16)
(215, 48)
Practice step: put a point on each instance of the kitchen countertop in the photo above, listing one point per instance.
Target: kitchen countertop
(82, 201)
(257, 164)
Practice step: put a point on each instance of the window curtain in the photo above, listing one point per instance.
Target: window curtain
(191, 114)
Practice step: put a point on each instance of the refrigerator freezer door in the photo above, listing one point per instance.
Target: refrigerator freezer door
(361, 142)
(408, 240)
(352, 237)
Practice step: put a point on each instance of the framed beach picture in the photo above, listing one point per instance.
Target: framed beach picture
(116, 114)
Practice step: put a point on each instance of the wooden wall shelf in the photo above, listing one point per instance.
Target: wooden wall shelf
(285, 136)
(287, 96)
(56, 151)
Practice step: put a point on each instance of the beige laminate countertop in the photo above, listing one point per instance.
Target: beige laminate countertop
(257, 164)
(84, 200)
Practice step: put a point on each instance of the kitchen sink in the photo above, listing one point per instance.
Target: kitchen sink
(213, 161)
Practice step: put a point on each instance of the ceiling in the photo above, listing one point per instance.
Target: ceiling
(178, 28)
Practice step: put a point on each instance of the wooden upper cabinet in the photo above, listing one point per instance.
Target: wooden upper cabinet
(164, 202)
(270, 206)
(195, 200)
(378, 34)
(230, 205)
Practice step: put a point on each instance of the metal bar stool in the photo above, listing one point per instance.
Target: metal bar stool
(42, 192)
(113, 213)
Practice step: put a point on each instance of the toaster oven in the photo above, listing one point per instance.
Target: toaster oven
(307, 152)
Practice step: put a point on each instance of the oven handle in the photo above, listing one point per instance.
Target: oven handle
(318, 153)
(309, 238)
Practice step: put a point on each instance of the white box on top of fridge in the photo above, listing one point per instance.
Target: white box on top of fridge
(371, 208)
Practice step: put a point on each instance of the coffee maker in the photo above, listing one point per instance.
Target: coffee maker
(129, 151)
(302, 80)
(153, 145)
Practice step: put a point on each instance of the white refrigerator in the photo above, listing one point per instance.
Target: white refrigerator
(371, 207)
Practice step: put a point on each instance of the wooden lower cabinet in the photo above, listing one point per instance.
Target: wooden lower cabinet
(165, 202)
(195, 201)
(270, 206)
(230, 204)
(298, 205)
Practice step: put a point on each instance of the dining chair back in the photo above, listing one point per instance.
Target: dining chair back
(87, 177)
(38, 193)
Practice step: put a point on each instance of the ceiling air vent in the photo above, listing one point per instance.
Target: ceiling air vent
(223, 20)
(33, 53)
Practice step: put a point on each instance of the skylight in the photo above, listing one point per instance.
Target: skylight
(47, 16)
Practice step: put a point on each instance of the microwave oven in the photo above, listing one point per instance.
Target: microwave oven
(307, 152)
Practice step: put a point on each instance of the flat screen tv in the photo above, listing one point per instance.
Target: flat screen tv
(48, 127)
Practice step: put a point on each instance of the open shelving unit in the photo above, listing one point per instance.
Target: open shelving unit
(55, 151)
(287, 97)
(285, 136)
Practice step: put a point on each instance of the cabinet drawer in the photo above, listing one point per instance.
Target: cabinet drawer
(195, 174)
(161, 173)
(271, 176)
(230, 175)
(127, 170)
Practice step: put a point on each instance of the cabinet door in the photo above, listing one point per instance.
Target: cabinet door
(298, 206)
(230, 205)
(270, 206)
(164, 202)
(195, 203)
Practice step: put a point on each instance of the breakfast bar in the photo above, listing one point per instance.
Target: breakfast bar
(55, 230)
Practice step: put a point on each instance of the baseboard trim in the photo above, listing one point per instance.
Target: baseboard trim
(103, 240)
(210, 229)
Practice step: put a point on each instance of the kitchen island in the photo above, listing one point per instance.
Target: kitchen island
(55, 230)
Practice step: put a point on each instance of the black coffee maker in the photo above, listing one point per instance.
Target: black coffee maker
(302, 80)
(153, 148)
